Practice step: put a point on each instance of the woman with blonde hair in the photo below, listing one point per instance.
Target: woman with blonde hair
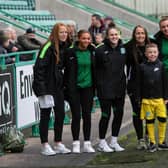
(48, 87)
(111, 86)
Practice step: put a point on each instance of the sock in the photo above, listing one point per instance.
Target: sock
(76, 142)
(102, 141)
(113, 139)
(161, 131)
(87, 142)
(151, 132)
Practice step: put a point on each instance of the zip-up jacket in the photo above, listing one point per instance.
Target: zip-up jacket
(71, 69)
(153, 80)
(135, 56)
(110, 75)
(48, 75)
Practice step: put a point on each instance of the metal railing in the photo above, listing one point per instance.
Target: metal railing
(40, 28)
(17, 56)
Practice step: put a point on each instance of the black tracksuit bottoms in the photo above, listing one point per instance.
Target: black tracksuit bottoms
(59, 115)
(137, 122)
(118, 109)
(81, 103)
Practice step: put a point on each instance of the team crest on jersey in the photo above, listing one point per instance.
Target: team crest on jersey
(122, 50)
(156, 69)
(106, 52)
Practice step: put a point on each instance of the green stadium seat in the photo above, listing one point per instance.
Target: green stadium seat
(24, 9)
(32, 15)
(16, 5)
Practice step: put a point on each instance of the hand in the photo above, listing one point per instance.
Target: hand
(13, 59)
(166, 101)
(14, 49)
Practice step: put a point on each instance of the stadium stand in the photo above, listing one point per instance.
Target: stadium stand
(33, 14)
(17, 5)
(30, 3)
(24, 10)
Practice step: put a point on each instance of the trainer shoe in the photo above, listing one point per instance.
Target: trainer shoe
(87, 147)
(116, 147)
(60, 148)
(163, 146)
(76, 147)
(141, 144)
(152, 147)
(47, 150)
(103, 147)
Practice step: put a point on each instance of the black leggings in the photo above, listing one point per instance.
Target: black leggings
(118, 110)
(59, 119)
(137, 122)
(81, 105)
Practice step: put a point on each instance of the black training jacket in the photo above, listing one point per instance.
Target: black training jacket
(110, 74)
(71, 69)
(48, 75)
(153, 80)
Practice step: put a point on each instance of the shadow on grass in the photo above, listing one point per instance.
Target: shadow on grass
(124, 157)
(130, 155)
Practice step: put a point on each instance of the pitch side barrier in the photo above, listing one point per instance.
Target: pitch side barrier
(18, 104)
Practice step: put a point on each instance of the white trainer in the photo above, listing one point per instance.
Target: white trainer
(116, 147)
(87, 147)
(60, 148)
(103, 147)
(47, 150)
(76, 147)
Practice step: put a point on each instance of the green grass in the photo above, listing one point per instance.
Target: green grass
(131, 157)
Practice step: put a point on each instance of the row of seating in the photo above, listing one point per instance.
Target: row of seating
(48, 24)
(37, 17)
(42, 18)
(17, 4)
(32, 14)
(28, 12)
(12, 2)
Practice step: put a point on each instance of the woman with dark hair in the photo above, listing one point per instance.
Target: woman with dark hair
(48, 87)
(79, 65)
(135, 49)
(111, 85)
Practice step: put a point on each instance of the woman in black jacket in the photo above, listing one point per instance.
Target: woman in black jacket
(48, 87)
(79, 82)
(111, 85)
(135, 49)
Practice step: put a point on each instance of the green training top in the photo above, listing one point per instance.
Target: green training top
(84, 78)
(164, 51)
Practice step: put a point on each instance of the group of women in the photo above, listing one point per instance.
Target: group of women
(76, 71)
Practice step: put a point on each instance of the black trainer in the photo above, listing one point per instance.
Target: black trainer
(152, 147)
(163, 146)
